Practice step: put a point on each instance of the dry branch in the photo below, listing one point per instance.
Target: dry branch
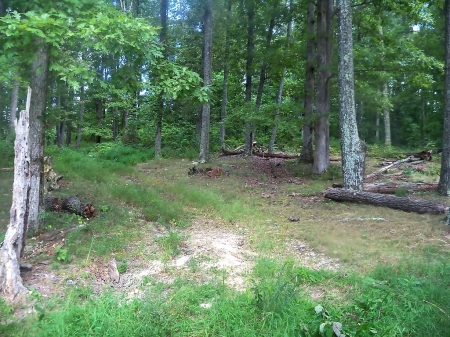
(404, 204)
(391, 188)
(385, 168)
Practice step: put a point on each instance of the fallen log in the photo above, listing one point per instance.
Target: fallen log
(275, 155)
(74, 205)
(385, 168)
(70, 204)
(391, 188)
(404, 204)
(226, 152)
(7, 169)
(262, 154)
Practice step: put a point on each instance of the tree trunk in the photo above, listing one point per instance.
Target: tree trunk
(80, 117)
(392, 188)
(68, 133)
(226, 70)
(38, 84)
(13, 108)
(163, 13)
(353, 150)
(207, 80)
(422, 103)
(322, 127)
(377, 127)
(386, 115)
(99, 110)
(444, 181)
(248, 74)
(404, 204)
(307, 154)
(115, 123)
(11, 249)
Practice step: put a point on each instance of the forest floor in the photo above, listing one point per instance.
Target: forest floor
(174, 226)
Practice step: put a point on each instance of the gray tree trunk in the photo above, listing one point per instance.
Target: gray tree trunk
(386, 115)
(353, 154)
(307, 154)
(377, 126)
(80, 118)
(226, 70)
(13, 108)
(163, 13)
(249, 74)
(115, 123)
(38, 84)
(11, 250)
(207, 80)
(322, 127)
(444, 181)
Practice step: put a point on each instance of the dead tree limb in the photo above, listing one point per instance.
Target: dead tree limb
(404, 204)
(385, 168)
(391, 188)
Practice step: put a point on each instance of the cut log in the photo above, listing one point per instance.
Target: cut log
(404, 204)
(391, 188)
(263, 154)
(275, 155)
(226, 152)
(385, 168)
(52, 204)
(74, 205)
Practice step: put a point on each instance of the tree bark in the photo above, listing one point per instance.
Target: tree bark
(12, 247)
(13, 108)
(392, 188)
(404, 204)
(386, 115)
(307, 154)
(226, 70)
(322, 127)
(207, 80)
(160, 112)
(353, 150)
(115, 123)
(38, 84)
(444, 180)
(248, 75)
(80, 117)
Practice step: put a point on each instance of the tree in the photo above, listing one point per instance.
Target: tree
(226, 70)
(207, 80)
(249, 75)
(444, 181)
(14, 242)
(323, 97)
(307, 154)
(353, 154)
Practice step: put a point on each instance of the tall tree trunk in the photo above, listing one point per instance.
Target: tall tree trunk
(386, 115)
(13, 108)
(115, 123)
(80, 117)
(68, 133)
(322, 127)
(12, 247)
(422, 103)
(99, 110)
(263, 71)
(353, 150)
(164, 7)
(377, 126)
(248, 75)
(38, 84)
(207, 80)
(226, 70)
(444, 181)
(307, 147)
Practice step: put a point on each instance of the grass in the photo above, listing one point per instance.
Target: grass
(395, 276)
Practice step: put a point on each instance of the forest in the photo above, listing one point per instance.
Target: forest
(224, 168)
